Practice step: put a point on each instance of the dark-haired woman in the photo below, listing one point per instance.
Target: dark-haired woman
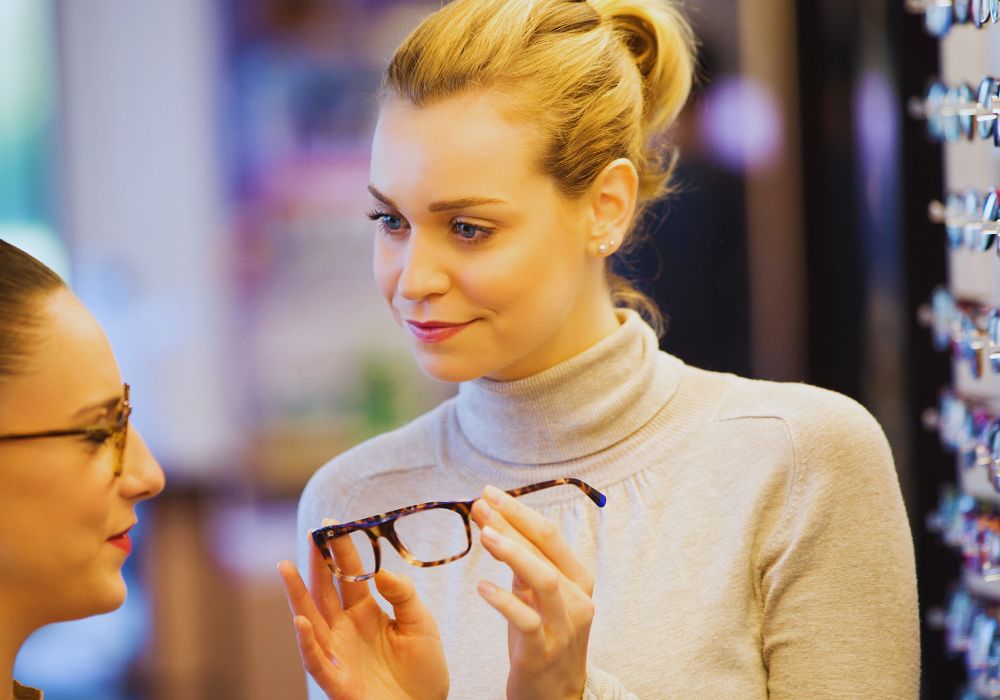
(71, 470)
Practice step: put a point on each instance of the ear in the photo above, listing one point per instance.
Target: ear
(613, 197)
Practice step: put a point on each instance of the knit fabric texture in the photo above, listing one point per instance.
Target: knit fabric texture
(754, 543)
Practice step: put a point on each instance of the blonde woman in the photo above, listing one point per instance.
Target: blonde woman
(71, 470)
(753, 543)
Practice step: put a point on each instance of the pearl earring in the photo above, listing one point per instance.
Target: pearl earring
(602, 249)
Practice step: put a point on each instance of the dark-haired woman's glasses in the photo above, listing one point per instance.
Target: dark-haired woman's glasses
(427, 534)
(114, 429)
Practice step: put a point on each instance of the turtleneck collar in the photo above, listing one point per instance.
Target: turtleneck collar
(576, 408)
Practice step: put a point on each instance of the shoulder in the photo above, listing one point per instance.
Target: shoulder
(823, 437)
(808, 412)
(411, 447)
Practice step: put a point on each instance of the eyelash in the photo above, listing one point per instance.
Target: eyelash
(380, 216)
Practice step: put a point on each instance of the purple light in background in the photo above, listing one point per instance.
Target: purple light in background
(876, 117)
(739, 123)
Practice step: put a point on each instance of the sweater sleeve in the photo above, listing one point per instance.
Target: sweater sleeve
(603, 686)
(837, 576)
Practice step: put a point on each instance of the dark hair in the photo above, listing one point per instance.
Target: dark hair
(24, 281)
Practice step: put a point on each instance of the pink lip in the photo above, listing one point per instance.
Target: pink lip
(435, 331)
(122, 541)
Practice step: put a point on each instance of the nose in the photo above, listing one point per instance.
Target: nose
(424, 272)
(142, 476)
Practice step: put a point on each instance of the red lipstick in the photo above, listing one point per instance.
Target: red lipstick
(435, 331)
(122, 541)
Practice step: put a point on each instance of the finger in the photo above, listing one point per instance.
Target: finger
(523, 618)
(541, 532)
(301, 601)
(346, 556)
(327, 671)
(533, 571)
(321, 583)
(412, 616)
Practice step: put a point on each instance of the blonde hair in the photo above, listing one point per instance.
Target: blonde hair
(601, 80)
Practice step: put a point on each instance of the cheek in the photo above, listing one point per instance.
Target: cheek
(385, 269)
(523, 280)
(55, 516)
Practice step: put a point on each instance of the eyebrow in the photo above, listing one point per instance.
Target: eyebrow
(444, 205)
(106, 404)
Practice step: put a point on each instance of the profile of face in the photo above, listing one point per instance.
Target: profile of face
(64, 511)
(490, 269)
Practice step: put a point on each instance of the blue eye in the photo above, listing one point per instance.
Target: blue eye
(392, 222)
(470, 232)
(466, 230)
(386, 221)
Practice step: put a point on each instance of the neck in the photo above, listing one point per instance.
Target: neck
(591, 319)
(575, 409)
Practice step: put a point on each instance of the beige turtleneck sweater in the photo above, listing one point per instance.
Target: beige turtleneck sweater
(754, 542)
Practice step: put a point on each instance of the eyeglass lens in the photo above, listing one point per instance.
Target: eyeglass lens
(427, 537)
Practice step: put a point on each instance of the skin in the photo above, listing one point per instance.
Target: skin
(59, 496)
(470, 231)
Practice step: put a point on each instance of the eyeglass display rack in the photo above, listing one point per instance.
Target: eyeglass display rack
(961, 109)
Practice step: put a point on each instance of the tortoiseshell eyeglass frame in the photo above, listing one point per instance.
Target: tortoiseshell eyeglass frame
(99, 432)
(382, 525)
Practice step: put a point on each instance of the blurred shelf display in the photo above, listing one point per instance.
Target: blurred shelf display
(960, 108)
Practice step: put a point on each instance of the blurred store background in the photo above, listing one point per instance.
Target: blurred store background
(197, 171)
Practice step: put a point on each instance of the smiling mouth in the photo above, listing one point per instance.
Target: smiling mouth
(122, 541)
(435, 331)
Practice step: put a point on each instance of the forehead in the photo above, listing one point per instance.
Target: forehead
(71, 365)
(460, 143)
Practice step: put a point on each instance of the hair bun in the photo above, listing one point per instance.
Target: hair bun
(640, 38)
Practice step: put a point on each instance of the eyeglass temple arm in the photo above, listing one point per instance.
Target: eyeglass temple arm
(49, 433)
(593, 494)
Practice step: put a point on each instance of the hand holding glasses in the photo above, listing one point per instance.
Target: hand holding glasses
(426, 534)
(348, 644)
(115, 429)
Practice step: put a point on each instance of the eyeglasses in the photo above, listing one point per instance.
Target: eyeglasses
(941, 15)
(971, 330)
(973, 531)
(971, 219)
(99, 433)
(427, 534)
(960, 112)
(971, 431)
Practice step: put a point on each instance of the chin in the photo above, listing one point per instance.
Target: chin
(108, 597)
(449, 370)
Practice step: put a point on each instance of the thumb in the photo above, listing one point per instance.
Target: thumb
(412, 616)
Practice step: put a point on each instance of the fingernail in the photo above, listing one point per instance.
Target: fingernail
(328, 521)
(494, 495)
(485, 511)
(487, 588)
(491, 535)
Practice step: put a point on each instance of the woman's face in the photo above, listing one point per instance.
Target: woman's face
(482, 261)
(63, 510)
